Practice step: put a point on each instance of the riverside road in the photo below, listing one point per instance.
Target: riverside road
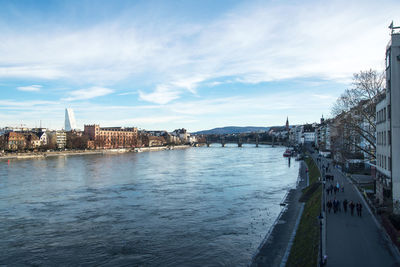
(354, 240)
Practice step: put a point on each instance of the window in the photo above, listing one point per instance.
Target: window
(389, 137)
(389, 163)
(389, 113)
(384, 114)
(384, 162)
(388, 58)
(379, 138)
(384, 138)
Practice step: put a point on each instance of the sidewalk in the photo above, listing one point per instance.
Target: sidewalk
(354, 240)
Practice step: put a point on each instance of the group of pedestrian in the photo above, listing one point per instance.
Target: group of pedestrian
(331, 189)
(329, 177)
(335, 205)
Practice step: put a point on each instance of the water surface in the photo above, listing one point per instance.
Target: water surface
(199, 206)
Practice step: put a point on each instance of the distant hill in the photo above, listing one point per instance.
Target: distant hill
(234, 130)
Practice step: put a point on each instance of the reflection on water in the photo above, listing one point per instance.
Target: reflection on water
(199, 206)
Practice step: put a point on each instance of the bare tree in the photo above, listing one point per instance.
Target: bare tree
(356, 108)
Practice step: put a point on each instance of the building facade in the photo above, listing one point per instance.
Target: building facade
(111, 137)
(61, 139)
(70, 123)
(308, 135)
(15, 140)
(383, 155)
(388, 130)
(393, 108)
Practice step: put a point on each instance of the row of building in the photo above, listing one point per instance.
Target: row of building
(375, 144)
(93, 137)
(120, 137)
(25, 138)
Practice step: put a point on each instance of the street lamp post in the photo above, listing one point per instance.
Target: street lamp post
(321, 257)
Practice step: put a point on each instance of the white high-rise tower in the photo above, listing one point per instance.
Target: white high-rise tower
(70, 123)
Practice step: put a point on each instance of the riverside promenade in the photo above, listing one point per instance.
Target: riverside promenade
(354, 240)
(275, 248)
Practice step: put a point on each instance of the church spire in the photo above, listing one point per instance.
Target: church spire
(287, 123)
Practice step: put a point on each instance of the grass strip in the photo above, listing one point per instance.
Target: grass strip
(304, 251)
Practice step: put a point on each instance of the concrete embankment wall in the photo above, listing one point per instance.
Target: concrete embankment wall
(159, 148)
(40, 155)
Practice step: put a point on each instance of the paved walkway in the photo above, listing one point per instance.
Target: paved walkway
(354, 240)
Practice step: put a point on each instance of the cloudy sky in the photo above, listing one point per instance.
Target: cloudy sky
(192, 64)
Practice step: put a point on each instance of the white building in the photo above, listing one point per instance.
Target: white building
(295, 134)
(323, 135)
(61, 138)
(388, 129)
(182, 134)
(308, 135)
(393, 112)
(42, 138)
(70, 123)
(383, 149)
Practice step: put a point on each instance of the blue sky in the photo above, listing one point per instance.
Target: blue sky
(191, 64)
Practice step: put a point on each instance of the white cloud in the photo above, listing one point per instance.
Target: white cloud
(162, 95)
(148, 120)
(26, 104)
(261, 109)
(88, 93)
(251, 43)
(30, 88)
(128, 93)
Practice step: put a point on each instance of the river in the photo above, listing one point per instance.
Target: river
(206, 206)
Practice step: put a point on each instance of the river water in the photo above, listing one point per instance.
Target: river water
(193, 207)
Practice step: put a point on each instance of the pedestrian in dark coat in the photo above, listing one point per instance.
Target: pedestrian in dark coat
(351, 205)
(345, 205)
(359, 209)
(329, 204)
(336, 205)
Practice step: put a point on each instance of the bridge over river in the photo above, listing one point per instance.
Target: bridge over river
(240, 141)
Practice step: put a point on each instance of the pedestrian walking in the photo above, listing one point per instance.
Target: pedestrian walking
(335, 205)
(351, 205)
(359, 209)
(329, 204)
(343, 188)
(345, 205)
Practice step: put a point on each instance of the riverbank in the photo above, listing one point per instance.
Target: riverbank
(275, 248)
(305, 248)
(42, 155)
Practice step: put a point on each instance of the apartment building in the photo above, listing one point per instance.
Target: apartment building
(388, 128)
